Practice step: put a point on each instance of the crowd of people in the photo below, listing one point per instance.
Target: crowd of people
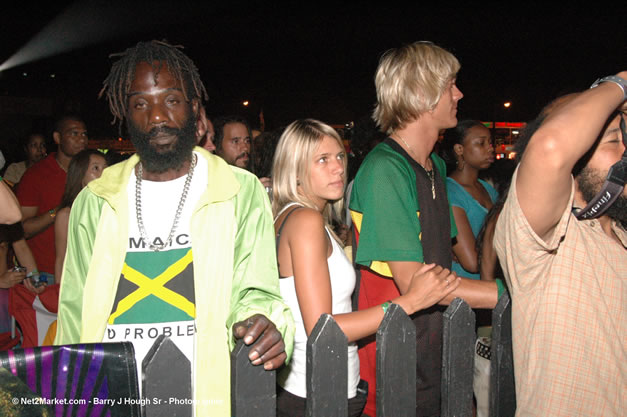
(210, 233)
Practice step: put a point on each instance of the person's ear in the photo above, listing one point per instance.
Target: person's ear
(458, 149)
(201, 123)
(195, 106)
(57, 137)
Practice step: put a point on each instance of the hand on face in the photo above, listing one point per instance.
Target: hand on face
(268, 348)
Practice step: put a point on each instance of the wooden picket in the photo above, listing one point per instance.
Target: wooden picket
(502, 389)
(327, 370)
(157, 367)
(253, 389)
(396, 358)
(458, 342)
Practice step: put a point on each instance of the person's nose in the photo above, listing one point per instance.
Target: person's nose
(158, 115)
(457, 93)
(337, 167)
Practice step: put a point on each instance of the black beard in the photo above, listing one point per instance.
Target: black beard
(157, 161)
(590, 182)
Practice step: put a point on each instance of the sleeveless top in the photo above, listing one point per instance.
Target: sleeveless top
(342, 275)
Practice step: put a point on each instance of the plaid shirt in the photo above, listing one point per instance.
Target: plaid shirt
(569, 321)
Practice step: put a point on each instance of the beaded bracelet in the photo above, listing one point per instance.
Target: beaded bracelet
(385, 306)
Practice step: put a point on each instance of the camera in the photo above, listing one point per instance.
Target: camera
(37, 279)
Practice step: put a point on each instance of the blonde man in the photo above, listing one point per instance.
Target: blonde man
(402, 218)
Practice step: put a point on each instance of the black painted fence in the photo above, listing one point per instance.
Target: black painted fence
(52, 372)
(396, 379)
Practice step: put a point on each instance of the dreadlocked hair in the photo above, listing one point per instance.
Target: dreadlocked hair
(118, 82)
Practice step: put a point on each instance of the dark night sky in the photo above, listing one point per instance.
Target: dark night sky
(313, 61)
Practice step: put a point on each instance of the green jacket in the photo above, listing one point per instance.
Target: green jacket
(235, 268)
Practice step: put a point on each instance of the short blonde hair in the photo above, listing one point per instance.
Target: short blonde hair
(410, 81)
(292, 160)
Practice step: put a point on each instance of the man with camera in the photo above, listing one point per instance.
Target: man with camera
(561, 240)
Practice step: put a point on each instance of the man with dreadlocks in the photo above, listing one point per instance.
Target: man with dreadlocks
(173, 241)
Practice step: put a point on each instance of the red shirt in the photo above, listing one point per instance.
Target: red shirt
(42, 186)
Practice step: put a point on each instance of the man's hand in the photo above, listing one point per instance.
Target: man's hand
(428, 286)
(268, 348)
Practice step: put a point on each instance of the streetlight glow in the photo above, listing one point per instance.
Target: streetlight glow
(507, 104)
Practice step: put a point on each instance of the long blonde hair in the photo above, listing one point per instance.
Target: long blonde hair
(292, 160)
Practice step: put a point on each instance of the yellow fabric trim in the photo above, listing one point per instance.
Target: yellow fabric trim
(155, 287)
(357, 218)
(381, 268)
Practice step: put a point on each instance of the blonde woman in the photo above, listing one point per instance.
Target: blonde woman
(309, 175)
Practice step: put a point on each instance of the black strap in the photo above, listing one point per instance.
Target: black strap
(278, 233)
(612, 187)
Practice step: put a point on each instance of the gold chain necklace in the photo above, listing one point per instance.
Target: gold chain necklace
(430, 172)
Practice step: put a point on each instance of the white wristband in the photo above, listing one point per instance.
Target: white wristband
(613, 79)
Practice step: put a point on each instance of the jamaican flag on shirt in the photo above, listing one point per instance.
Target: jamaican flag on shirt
(155, 287)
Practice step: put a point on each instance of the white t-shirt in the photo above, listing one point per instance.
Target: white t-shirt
(155, 294)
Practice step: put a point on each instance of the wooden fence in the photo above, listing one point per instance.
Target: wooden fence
(396, 374)
(108, 371)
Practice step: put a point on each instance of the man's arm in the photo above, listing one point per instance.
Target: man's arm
(478, 294)
(544, 177)
(258, 313)
(33, 224)
(9, 207)
(29, 194)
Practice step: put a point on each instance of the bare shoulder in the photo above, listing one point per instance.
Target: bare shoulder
(307, 216)
(304, 222)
